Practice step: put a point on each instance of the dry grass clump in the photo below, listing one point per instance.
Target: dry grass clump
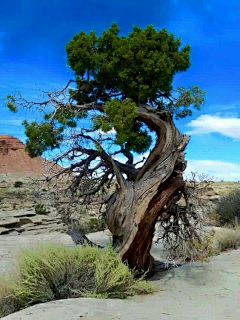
(227, 238)
(55, 272)
(200, 248)
(208, 244)
(204, 249)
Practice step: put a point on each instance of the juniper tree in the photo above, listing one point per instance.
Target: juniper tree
(120, 107)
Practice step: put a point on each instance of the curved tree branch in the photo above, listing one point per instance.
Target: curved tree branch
(168, 138)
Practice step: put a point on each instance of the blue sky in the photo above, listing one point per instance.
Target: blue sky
(33, 35)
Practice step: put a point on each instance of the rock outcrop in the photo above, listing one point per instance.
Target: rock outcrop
(20, 192)
(28, 222)
(17, 207)
(15, 161)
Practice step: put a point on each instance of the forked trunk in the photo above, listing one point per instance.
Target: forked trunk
(135, 207)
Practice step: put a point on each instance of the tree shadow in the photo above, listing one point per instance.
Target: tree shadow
(197, 274)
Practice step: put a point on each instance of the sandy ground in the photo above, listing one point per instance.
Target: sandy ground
(208, 291)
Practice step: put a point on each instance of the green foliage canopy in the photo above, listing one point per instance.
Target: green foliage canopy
(115, 75)
(140, 67)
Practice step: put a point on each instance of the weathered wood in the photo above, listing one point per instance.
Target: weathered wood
(134, 209)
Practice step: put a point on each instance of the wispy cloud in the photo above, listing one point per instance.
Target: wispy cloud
(219, 170)
(205, 124)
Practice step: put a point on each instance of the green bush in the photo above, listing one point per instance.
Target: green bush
(89, 226)
(54, 272)
(18, 184)
(40, 209)
(228, 208)
(94, 225)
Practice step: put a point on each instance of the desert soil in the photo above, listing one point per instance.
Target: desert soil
(192, 292)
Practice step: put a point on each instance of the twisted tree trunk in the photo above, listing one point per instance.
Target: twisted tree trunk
(135, 207)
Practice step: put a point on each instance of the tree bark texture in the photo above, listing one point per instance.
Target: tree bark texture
(134, 208)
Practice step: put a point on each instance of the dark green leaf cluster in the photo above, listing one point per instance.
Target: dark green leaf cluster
(140, 67)
(48, 134)
(40, 208)
(120, 116)
(187, 97)
(41, 137)
(11, 103)
(121, 72)
(116, 75)
(66, 116)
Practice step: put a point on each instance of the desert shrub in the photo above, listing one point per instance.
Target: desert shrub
(196, 249)
(40, 209)
(18, 184)
(229, 208)
(89, 226)
(226, 238)
(94, 225)
(55, 272)
(205, 248)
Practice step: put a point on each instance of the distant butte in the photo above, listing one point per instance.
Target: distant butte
(14, 160)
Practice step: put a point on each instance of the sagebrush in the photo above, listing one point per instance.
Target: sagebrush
(55, 272)
(40, 209)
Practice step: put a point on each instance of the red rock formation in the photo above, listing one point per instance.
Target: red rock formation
(15, 161)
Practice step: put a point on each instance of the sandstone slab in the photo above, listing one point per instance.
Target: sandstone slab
(15, 161)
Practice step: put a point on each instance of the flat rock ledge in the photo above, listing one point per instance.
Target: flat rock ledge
(83, 308)
(28, 222)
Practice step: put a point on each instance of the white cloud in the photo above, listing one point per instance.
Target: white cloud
(228, 126)
(219, 170)
(112, 131)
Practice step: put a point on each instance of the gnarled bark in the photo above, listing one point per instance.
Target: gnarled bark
(134, 208)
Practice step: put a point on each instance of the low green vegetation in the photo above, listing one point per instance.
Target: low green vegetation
(55, 272)
(94, 225)
(40, 209)
(229, 208)
(18, 184)
(90, 225)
